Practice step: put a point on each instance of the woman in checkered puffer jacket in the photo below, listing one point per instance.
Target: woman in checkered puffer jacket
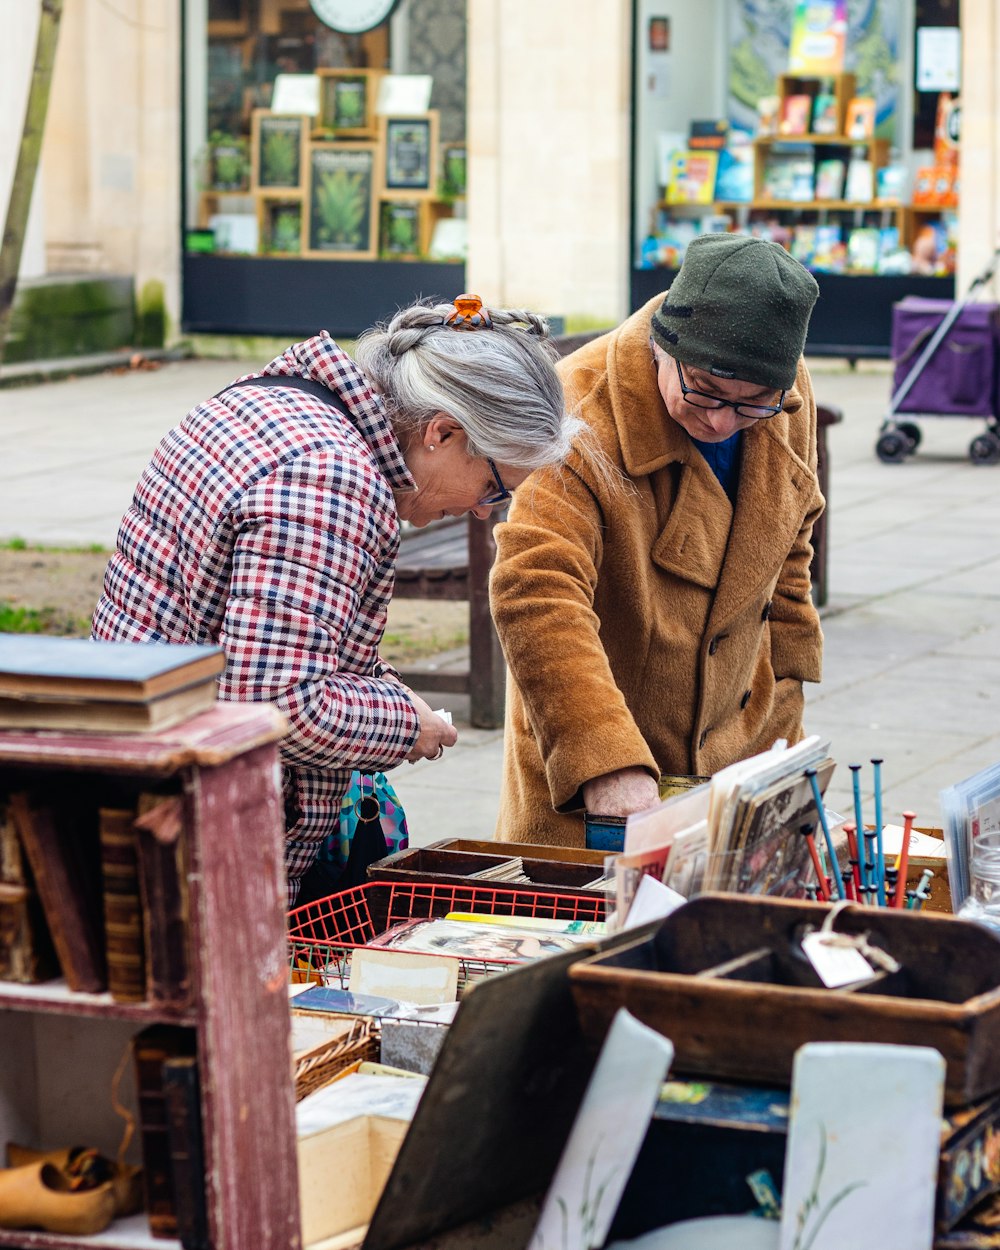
(268, 522)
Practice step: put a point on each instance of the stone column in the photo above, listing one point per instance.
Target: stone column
(979, 212)
(549, 100)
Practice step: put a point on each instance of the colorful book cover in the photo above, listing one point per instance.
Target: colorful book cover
(830, 179)
(862, 250)
(819, 37)
(481, 943)
(824, 116)
(860, 120)
(803, 245)
(734, 180)
(860, 186)
(830, 252)
(795, 114)
(692, 177)
(711, 133)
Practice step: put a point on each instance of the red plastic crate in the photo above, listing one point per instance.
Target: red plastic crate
(323, 934)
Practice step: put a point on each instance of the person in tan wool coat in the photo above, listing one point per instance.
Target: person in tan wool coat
(652, 596)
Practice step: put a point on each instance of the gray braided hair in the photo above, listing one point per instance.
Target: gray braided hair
(498, 383)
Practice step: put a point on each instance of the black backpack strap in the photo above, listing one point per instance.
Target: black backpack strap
(316, 389)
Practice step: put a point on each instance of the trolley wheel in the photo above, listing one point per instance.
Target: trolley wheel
(985, 448)
(893, 447)
(911, 432)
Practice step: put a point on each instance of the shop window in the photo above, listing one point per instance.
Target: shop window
(286, 150)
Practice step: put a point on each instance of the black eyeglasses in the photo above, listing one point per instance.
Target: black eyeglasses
(756, 412)
(500, 494)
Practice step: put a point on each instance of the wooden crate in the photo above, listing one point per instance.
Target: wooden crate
(556, 876)
(725, 980)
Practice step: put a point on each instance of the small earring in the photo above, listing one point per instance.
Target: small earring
(430, 447)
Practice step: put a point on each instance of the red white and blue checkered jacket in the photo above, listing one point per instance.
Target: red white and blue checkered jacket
(265, 522)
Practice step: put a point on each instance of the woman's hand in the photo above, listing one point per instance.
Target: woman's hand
(435, 733)
(621, 793)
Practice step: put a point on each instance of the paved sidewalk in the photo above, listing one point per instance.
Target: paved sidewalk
(912, 669)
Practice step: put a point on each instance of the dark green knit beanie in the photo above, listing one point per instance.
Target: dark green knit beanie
(738, 308)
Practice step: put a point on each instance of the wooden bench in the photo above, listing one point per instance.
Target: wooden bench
(452, 560)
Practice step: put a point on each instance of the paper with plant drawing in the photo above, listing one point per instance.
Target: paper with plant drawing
(605, 1139)
(863, 1143)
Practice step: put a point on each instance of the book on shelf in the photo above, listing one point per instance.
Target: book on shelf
(33, 666)
(859, 185)
(891, 183)
(62, 843)
(26, 951)
(711, 133)
(187, 1150)
(692, 177)
(734, 178)
(768, 113)
(107, 716)
(829, 250)
(789, 173)
(796, 111)
(824, 114)
(161, 852)
(803, 245)
(863, 250)
(830, 175)
(859, 122)
(123, 924)
(151, 1048)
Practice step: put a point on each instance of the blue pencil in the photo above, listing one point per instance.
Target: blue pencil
(859, 824)
(879, 856)
(834, 866)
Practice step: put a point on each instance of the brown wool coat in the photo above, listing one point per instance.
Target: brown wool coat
(644, 624)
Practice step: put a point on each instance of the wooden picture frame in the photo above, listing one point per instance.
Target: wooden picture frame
(454, 170)
(403, 229)
(277, 150)
(409, 155)
(280, 221)
(347, 100)
(341, 201)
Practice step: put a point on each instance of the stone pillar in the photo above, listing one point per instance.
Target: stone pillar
(979, 212)
(549, 102)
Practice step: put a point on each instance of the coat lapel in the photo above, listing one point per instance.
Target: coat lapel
(775, 487)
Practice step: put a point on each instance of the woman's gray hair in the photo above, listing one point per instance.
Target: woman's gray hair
(498, 383)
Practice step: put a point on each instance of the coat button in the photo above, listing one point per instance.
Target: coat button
(746, 698)
(766, 614)
(704, 738)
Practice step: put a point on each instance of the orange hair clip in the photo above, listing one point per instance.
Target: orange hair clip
(469, 314)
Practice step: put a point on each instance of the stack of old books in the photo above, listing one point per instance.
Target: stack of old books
(103, 687)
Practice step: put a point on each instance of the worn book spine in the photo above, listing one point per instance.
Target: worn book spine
(26, 952)
(151, 1049)
(161, 855)
(187, 1151)
(123, 925)
(63, 852)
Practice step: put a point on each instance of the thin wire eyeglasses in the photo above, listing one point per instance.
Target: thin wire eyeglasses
(756, 412)
(500, 494)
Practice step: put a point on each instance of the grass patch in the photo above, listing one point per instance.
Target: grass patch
(399, 647)
(21, 544)
(18, 620)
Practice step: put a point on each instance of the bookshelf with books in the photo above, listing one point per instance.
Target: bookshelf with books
(209, 986)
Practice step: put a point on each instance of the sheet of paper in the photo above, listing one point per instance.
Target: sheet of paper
(354, 1095)
(296, 93)
(605, 1138)
(404, 95)
(653, 901)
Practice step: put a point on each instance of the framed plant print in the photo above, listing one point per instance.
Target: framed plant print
(279, 225)
(347, 102)
(341, 201)
(277, 149)
(410, 156)
(402, 229)
(453, 166)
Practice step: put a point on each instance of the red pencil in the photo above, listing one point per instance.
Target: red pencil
(903, 861)
(852, 846)
(807, 833)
